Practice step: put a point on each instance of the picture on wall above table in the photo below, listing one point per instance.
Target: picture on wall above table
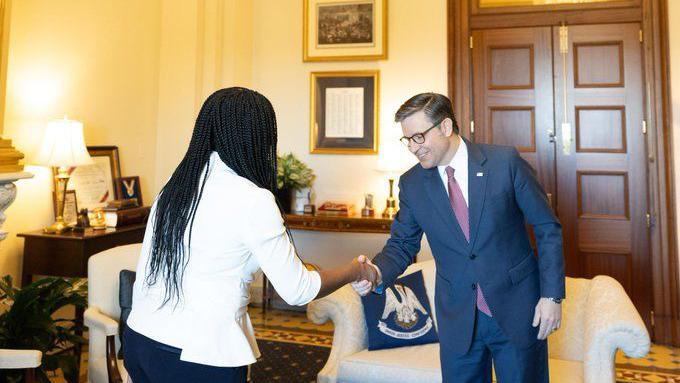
(344, 112)
(95, 184)
(128, 188)
(338, 30)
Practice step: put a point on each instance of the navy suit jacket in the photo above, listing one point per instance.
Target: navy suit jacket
(504, 194)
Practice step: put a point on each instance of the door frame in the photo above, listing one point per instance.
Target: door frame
(463, 17)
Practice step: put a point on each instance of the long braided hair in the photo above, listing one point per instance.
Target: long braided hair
(240, 125)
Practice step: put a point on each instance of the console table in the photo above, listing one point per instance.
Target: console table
(343, 224)
(328, 223)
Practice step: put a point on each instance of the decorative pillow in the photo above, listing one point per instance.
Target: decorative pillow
(127, 280)
(401, 316)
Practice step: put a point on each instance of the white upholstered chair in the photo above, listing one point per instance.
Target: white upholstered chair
(598, 319)
(103, 311)
(27, 360)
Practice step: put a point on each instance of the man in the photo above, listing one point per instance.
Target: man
(494, 299)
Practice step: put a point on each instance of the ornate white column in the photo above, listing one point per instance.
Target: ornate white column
(8, 191)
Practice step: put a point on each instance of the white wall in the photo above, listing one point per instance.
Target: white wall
(96, 61)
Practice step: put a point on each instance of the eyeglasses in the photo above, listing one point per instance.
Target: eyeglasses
(418, 138)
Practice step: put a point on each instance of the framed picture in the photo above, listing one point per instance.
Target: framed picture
(344, 112)
(70, 213)
(129, 187)
(336, 30)
(95, 184)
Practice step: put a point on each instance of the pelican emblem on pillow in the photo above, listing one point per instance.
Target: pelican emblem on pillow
(406, 306)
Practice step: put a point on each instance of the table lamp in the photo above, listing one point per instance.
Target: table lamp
(62, 147)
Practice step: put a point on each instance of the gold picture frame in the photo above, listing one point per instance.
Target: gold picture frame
(344, 112)
(364, 37)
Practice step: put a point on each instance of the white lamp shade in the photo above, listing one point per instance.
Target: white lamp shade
(394, 158)
(63, 145)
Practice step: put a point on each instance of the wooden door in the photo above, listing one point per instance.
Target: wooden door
(593, 163)
(513, 95)
(600, 156)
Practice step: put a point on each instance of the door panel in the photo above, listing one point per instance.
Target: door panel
(512, 72)
(601, 174)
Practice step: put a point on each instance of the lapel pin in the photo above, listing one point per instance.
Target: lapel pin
(480, 174)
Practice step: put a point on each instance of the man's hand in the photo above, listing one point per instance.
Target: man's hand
(548, 315)
(364, 286)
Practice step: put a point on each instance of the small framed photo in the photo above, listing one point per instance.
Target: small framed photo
(344, 112)
(70, 213)
(337, 30)
(129, 187)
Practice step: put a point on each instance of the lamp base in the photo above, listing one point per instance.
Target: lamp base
(58, 227)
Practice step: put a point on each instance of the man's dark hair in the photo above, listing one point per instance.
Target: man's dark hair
(240, 125)
(436, 107)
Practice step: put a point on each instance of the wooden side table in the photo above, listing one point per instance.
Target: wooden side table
(66, 255)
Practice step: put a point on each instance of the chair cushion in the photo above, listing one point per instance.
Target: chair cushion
(401, 316)
(405, 364)
(421, 364)
(126, 282)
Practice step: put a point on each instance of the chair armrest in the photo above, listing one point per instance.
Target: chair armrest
(15, 359)
(95, 318)
(344, 308)
(611, 323)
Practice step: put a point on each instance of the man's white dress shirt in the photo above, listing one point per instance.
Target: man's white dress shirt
(237, 230)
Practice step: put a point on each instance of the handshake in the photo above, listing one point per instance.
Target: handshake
(366, 275)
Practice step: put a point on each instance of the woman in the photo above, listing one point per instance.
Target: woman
(213, 225)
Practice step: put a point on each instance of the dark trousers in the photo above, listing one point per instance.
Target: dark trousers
(148, 361)
(512, 364)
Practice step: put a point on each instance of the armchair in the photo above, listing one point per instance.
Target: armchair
(103, 312)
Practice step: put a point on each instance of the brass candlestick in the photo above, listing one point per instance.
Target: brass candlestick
(391, 206)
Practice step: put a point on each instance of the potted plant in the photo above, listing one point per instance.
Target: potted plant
(292, 176)
(27, 322)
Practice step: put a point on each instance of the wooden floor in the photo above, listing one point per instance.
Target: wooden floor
(662, 365)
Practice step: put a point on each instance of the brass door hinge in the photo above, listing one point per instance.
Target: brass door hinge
(644, 127)
(472, 127)
(472, 42)
(648, 219)
(640, 35)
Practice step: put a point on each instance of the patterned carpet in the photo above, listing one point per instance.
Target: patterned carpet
(288, 362)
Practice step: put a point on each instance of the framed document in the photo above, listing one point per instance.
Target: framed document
(344, 112)
(95, 184)
(336, 30)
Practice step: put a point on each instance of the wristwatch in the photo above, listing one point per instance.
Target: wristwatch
(556, 300)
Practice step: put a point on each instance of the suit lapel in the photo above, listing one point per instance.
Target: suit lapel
(440, 200)
(477, 176)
